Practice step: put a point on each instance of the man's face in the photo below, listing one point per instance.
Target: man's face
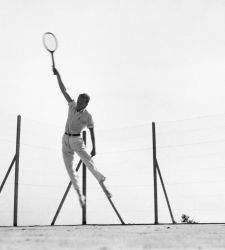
(81, 103)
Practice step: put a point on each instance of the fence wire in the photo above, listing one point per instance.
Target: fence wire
(190, 154)
(124, 155)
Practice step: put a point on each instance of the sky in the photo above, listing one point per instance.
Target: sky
(140, 61)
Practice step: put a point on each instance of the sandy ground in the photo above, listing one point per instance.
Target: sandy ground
(198, 236)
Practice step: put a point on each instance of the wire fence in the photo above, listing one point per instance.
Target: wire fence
(190, 154)
(123, 155)
(191, 157)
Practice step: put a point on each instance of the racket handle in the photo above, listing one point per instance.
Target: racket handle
(53, 61)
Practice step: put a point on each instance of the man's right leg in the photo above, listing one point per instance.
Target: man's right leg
(68, 156)
(78, 146)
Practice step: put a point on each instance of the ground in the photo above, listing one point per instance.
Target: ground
(114, 237)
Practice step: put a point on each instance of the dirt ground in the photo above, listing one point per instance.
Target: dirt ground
(186, 236)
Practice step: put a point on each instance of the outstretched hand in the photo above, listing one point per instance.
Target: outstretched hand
(55, 71)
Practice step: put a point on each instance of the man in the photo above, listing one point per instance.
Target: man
(78, 119)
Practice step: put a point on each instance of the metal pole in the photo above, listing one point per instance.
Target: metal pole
(78, 165)
(64, 197)
(113, 206)
(164, 190)
(155, 173)
(84, 188)
(84, 192)
(16, 183)
(61, 204)
(7, 174)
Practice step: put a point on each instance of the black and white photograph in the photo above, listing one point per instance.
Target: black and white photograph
(112, 124)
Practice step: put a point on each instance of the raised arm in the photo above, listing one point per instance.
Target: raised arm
(61, 85)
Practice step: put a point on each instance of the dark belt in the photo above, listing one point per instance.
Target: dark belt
(71, 134)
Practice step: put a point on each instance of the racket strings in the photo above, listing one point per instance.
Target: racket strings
(50, 41)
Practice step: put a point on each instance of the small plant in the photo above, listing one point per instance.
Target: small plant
(185, 219)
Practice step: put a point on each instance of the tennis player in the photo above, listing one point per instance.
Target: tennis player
(78, 119)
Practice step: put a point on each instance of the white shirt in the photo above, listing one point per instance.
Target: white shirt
(77, 121)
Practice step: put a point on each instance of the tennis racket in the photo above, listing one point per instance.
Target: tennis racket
(51, 44)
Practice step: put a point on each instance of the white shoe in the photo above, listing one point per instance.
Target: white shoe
(101, 181)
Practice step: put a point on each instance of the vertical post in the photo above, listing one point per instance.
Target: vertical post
(17, 171)
(155, 173)
(84, 186)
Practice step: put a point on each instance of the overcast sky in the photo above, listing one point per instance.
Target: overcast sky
(140, 61)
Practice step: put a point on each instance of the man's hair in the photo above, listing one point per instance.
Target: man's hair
(85, 96)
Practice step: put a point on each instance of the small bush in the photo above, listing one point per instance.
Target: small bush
(185, 219)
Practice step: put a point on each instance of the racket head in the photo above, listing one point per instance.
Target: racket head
(50, 41)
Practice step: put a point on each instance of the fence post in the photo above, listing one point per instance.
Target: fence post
(155, 173)
(15, 214)
(84, 187)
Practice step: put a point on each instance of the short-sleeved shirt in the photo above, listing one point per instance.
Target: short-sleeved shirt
(77, 121)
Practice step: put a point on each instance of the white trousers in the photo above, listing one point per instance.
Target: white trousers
(71, 144)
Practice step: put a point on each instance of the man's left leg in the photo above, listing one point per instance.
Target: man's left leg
(68, 156)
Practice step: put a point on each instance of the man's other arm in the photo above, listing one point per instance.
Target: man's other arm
(92, 133)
